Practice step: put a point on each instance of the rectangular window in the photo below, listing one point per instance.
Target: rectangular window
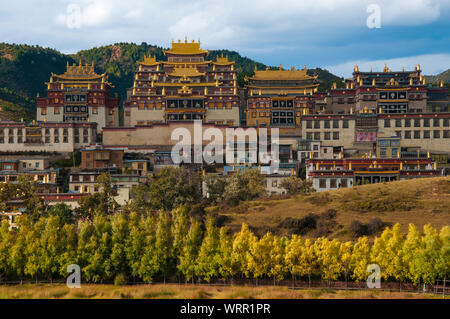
(416, 122)
(446, 122)
(436, 122)
(407, 123)
(335, 135)
(343, 183)
(327, 136)
(398, 123)
(56, 110)
(398, 133)
(345, 123)
(426, 122)
(387, 123)
(446, 134)
(316, 124)
(309, 136)
(426, 134)
(322, 183)
(94, 110)
(416, 135)
(335, 123)
(407, 134)
(333, 183)
(316, 136)
(326, 124)
(308, 124)
(436, 134)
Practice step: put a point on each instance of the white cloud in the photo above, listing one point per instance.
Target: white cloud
(431, 64)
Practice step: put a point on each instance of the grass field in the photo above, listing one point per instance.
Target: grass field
(60, 291)
(418, 201)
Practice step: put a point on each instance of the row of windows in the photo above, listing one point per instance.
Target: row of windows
(70, 109)
(417, 122)
(326, 123)
(334, 183)
(327, 136)
(424, 134)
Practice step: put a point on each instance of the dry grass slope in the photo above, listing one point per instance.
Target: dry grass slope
(418, 201)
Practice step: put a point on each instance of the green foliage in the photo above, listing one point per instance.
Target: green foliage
(168, 189)
(125, 246)
(294, 185)
(244, 185)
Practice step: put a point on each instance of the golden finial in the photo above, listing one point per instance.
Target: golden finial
(185, 39)
(281, 67)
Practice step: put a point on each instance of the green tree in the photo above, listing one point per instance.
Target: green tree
(242, 243)
(244, 185)
(345, 255)
(225, 256)
(412, 254)
(168, 189)
(63, 211)
(215, 187)
(163, 245)
(119, 238)
(294, 185)
(6, 243)
(94, 249)
(99, 203)
(187, 264)
(207, 261)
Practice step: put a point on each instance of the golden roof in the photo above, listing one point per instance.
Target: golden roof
(186, 48)
(149, 61)
(281, 74)
(223, 60)
(185, 72)
(79, 72)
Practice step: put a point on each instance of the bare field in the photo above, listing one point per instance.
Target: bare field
(418, 201)
(159, 291)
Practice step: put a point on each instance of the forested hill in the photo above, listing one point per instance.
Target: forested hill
(24, 70)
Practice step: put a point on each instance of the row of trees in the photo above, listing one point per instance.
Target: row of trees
(158, 246)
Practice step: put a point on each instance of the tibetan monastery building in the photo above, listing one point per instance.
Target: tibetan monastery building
(278, 98)
(387, 92)
(186, 87)
(79, 96)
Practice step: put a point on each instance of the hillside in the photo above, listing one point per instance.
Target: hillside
(24, 70)
(444, 76)
(331, 214)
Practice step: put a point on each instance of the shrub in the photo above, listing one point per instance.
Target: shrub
(120, 280)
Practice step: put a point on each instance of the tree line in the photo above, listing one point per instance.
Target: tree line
(130, 246)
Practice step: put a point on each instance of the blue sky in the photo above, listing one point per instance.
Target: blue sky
(331, 34)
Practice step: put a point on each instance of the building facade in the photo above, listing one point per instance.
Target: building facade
(386, 92)
(335, 174)
(79, 95)
(279, 97)
(46, 136)
(186, 87)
